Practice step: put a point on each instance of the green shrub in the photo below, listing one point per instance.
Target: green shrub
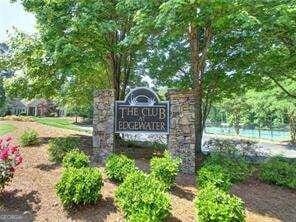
(279, 171)
(79, 186)
(237, 167)
(215, 175)
(213, 204)
(141, 217)
(29, 138)
(58, 147)
(76, 158)
(119, 166)
(165, 168)
(142, 195)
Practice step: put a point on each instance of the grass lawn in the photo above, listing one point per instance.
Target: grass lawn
(5, 128)
(58, 122)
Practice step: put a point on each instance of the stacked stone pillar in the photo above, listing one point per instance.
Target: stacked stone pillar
(103, 124)
(181, 140)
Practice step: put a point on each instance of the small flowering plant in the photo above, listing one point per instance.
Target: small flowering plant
(9, 158)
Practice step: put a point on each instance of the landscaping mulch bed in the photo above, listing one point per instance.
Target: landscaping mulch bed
(32, 189)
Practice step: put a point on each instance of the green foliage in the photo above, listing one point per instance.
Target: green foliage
(2, 94)
(213, 204)
(58, 147)
(215, 175)
(279, 171)
(237, 167)
(142, 196)
(29, 138)
(79, 186)
(165, 168)
(118, 167)
(141, 217)
(76, 159)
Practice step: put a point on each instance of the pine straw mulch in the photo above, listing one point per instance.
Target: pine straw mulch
(32, 189)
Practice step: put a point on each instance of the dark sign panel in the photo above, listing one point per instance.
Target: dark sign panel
(141, 112)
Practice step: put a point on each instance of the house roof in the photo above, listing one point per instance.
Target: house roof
(17, 103)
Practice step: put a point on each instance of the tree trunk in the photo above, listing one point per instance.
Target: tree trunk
(292, 123)
(198, 90)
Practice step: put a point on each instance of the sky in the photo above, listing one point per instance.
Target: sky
(14, 15)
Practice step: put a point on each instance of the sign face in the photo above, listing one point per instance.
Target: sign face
(141, 112)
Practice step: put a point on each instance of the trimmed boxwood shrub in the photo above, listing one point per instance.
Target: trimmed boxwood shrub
(76, 158)
(29, 138)
(213, 204)
(279, 171)
(165, 168)
(143, 196)
(79, 186)
(119, 166)
(215, 175)
(58, 147)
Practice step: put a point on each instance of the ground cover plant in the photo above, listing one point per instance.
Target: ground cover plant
(79, 186)
(29, 138)
(165, 168)
(76, 159)
(279, 171)
(214, 204)
(10, 158)
(118, 167)
(142, 196)
(58, 147)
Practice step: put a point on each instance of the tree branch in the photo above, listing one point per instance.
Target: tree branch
(282, 87)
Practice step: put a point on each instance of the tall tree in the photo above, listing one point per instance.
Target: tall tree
(207, 34)
(79, 36)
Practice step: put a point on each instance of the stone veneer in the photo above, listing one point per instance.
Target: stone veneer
(181, 140)
(103, 124)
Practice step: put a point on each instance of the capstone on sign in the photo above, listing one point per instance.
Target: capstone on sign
(142, 112)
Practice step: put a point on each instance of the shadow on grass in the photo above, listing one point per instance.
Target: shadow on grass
(12, 202)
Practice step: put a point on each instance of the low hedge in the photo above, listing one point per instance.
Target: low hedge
(58, 147)
(279, 171)
(213, 204)
(236, 166)
(76, 159)
(119, 166)
(165, 168)
(79, 186)
(142, 196)
(215, 175)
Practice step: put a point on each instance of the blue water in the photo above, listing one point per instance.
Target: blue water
(275, 135)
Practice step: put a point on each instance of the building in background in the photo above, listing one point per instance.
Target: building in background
(35, 107)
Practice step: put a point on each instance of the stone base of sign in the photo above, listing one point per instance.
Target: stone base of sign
(181, 140)
(103, 125)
